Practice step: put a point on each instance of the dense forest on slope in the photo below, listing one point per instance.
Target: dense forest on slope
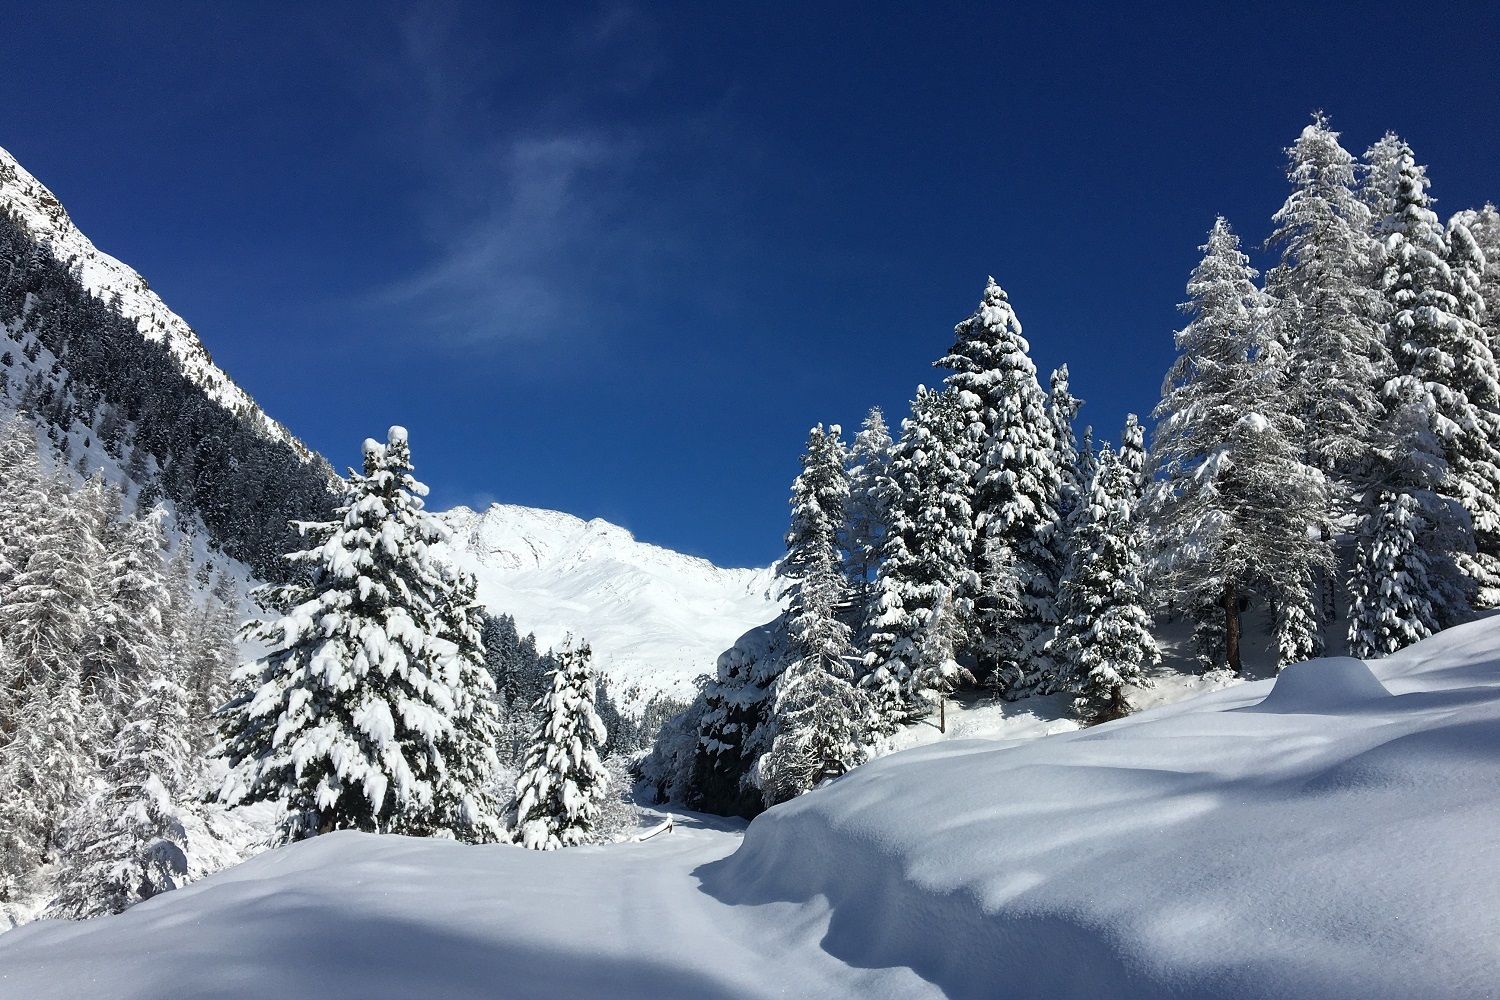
(79, 367)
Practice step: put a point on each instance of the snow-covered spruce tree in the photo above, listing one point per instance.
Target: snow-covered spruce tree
(45, 615)
(1132, 456)
(1381, 183)
(347, 716)
(562, 780)
(935, 673)
(1062, 410)
(467, 801)
(1329, 311)
(212, 648)
(820, 721)
(127, 843)
(1088, 457)
(1235, 508)
(868, 509)
(928, 551)
(1429, 343)
(24, 500)
(48, 765)
(1104, 637)
(124, 640)
(1016, 498)
(1474, 453)
(1484, 225)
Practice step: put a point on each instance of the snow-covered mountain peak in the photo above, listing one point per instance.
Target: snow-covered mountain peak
(42, 214)
(655, 618)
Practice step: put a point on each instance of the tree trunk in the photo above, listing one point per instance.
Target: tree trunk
(942, 714)
(1232, 628)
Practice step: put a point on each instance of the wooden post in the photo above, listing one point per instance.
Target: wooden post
(942, 712)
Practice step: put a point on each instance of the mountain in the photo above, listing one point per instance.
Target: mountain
(655, 618)
(120, 385)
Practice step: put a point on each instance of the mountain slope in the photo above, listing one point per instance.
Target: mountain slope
(655, 618)
(1329, 834)
(38, 210)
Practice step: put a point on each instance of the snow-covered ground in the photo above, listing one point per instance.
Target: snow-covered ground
(1328, 834)
(656, 618)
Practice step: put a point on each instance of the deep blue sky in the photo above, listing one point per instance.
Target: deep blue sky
(616, 259)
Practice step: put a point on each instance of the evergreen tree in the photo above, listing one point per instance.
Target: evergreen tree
(45, 616)
(1133, 457)
(466, 803)
(818, 717)
(1474, 451)
(1328, 309)
(345, 719)
(128, 842)
(1088, 457)
(1017, 495)
(1104, 637)
(935, 673)
(47, 766)
(928, 551)
(562, 782)
(1428, 342)
(1234, 506)
(868, 509)
(124, 643)
(1062, 410)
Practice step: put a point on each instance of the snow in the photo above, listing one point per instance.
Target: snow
(1329, 833)
(655, 618)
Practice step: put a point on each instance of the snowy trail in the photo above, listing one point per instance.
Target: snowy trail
(356, 916)
(1330, 834)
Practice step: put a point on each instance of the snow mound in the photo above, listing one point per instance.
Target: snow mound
(1326, 685)
(655, 618)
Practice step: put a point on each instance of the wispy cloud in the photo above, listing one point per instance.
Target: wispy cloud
(526, 197)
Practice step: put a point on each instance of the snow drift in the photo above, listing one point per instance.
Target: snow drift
(1328, 834)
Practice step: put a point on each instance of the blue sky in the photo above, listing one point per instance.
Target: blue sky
(616, 259)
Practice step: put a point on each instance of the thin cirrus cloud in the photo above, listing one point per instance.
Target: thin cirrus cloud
(520, 206)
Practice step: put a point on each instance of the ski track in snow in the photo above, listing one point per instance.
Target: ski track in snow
(1329, 834)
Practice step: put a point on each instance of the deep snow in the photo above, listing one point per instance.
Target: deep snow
(1335, 839)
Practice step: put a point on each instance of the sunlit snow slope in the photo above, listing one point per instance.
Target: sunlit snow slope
(655, 618)
(1331, 834)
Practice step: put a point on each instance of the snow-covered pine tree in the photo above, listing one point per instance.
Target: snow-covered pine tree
(1088, 458)
(1474, 452)
(868, 509)
(1328, 309)
(127, 843)
(1484, 225)
(820, 496)
(928, 551)
(45, 616)
(562, 781)
(936, 673)
(1381, 183)
(24, 500)
(1429, 343)
(213, 647)
(1104, 639)
(1062, 411)
(48, 765)
(1234, 504)
(124, 641)
(346, 717)
(1133, 457)
(1015, 492)
(466, 803)
(818, 719)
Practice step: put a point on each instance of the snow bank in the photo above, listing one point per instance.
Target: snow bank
(1329, 834)
(1321, 836)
